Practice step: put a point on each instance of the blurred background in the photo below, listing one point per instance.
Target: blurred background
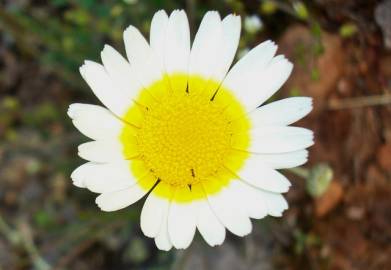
(340, 206)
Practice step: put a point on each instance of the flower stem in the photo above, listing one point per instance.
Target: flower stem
(300, 171)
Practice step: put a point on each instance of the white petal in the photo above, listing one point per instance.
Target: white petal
(101, 151)
(101, 84)
(136, 46)
(157, 37)
(254, 62)
(73, 109)
(104, 177)
(181, 223)
(112, 201)
(258, 203)
(251, 200)
(95, 121)
(142, 58)
(275, 139)
(154, 210)
(231, 35)
(162, 240)
(276, 203)
(206, 46)
(208, 224)
(225, 205)
(257, 76)
(177, 46)
(272, 79)
(108, 177)
(256, 173)
(285, 160)
(282, 112)
(120, 72)
(80, 173)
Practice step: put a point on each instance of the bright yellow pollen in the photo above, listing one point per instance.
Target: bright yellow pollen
(184, 139)
(178, 135)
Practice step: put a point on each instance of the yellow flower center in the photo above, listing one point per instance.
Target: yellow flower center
(183, 137)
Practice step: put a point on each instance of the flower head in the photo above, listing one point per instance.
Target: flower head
(184, 129)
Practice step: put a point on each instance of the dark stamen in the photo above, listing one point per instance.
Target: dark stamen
(187, 87)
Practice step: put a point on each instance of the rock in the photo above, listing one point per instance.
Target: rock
(383, 19)
(329, 200)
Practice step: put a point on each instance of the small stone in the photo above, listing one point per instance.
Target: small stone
(344, 87)
(355, 213)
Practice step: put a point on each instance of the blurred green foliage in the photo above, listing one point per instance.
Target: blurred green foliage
(301, 10)
(268, 7)
(348, 30)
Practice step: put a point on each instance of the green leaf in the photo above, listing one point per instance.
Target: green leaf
(319, 180)
(301, 10)
(348, 30)
(268, 7)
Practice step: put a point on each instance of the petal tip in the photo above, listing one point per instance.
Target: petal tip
(161, 12)
(71, 112)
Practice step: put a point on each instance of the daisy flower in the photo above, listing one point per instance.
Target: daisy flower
(184, 129)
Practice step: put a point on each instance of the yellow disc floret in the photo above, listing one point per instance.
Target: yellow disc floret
(183, 136)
